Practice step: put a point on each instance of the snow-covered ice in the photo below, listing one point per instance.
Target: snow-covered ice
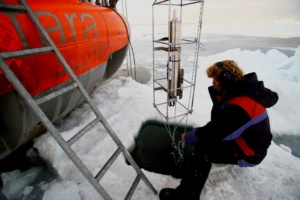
(126, 104)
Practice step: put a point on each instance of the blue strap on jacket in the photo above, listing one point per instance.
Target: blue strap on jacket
(243, 163)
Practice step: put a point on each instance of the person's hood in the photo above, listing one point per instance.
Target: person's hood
(251, 87)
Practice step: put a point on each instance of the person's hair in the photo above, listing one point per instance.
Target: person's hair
(230, 66)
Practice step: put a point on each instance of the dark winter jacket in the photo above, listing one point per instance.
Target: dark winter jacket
(240, 116)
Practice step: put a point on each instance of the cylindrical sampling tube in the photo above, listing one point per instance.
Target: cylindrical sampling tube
(174, 56)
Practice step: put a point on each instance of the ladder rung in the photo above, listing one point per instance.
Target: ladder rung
(111, 160)
(133, 186)
(12, 7)
(82, 132)
(55, 94)
(27, 52)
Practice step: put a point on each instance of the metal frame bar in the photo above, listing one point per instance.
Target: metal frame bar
(178, 4)
(161, 83)
(170, 90)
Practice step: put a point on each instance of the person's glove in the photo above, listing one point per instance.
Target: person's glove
(190, 137)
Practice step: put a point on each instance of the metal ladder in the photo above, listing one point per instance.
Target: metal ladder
(34, 105)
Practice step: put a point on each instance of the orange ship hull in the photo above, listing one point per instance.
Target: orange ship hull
(92, 39)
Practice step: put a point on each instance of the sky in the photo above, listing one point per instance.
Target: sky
(280, 18)
(126, 104)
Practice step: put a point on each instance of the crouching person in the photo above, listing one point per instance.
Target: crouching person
(238, 133)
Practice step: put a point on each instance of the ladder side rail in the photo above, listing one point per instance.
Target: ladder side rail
(139, 171)
(94, 108)
(122, 147)
(47, 123)
(88, 98)
(74, 78)
(64, 63)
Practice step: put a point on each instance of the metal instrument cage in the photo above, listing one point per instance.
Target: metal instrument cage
(183, 106)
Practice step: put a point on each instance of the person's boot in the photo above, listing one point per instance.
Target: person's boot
(192, 183)
(176, 194)
(171, 194)
(194, 180)
(189, 189)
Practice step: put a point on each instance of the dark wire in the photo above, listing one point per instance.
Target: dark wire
(133, 59)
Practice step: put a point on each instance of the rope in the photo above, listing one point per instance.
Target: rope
(179, 147)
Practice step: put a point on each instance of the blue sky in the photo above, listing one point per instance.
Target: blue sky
(256, 17)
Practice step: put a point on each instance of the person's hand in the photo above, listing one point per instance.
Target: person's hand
(189, 137)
